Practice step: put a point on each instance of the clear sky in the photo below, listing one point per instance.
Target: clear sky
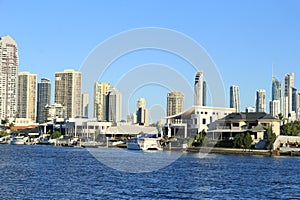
(244, 38)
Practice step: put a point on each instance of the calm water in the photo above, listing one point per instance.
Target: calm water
(46, 172)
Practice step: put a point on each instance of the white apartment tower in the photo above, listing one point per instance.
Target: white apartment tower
(198, 89)
(275, 108)
(260, 100)
(288, 94)
(68, 92)
(100, 90)
(142, 114)
(26, 95)
(8, 76)
(235, 98)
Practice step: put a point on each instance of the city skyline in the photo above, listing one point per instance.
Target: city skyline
(242, 42)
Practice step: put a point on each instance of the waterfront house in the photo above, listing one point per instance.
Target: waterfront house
(256, 123)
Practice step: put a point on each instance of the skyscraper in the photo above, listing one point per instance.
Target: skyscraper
(294, 99)
(298, 106)
(274, 108)
(68, 91)
(276, 95)
(204, 94)
(198, 89)
(235, 98)
(276, 89)
(113, 106)
(43, 99)
(175, 104)
(100, 89)
(85, 105)
(26, 95)
(260, 101)
(142, 114)
(288, 90)
(9, 61)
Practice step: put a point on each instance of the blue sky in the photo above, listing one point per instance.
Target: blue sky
(244, 38)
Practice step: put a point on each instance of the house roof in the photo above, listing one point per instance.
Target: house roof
(259, 128)
(250, 116)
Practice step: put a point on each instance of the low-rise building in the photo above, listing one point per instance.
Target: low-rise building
(194, 120)
(256, 123)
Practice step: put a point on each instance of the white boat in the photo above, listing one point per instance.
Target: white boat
(144, 143)
(18, 140)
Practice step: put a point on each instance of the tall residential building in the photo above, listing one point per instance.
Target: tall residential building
(43, 99)
(298, 105)
(113, 106)
(275, 108)
(294, 99)
(9, 61)
(198, 89)
(260, 100)
(276, 89)
(235, 98)
(277, 93)
(100, 89)
(288, 90)
(85, 105)
(26, 95)
(68, 92)
(142, 114)
(204, 94)
(175, 104)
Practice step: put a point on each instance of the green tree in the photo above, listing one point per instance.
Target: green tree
(248, 141)
(238, 141)
(199, 138)
(271, 137)
(55, 135)
(291, 128)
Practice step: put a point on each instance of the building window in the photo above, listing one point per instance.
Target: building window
(195, 121)
(203, 121)
(235, 124)
(206, 113)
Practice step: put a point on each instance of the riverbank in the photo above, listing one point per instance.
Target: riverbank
(219, 150)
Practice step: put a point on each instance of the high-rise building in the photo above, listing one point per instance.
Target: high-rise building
(235, 98)
(113, 106)
(9, 61)
(275, 108)
(85, 105)
(198, 89)
(294, 99)
(26, 95)
(43, 99)
(298, 106)
(204, 94)
(276, 89)
(175, 104)
(288, 90)
(68, 92)
(260, 100)
(100, 89)
(142, 114)
(277, 94)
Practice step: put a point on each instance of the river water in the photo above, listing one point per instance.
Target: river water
(48, 172)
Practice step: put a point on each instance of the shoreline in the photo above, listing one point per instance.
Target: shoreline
(228, 151)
